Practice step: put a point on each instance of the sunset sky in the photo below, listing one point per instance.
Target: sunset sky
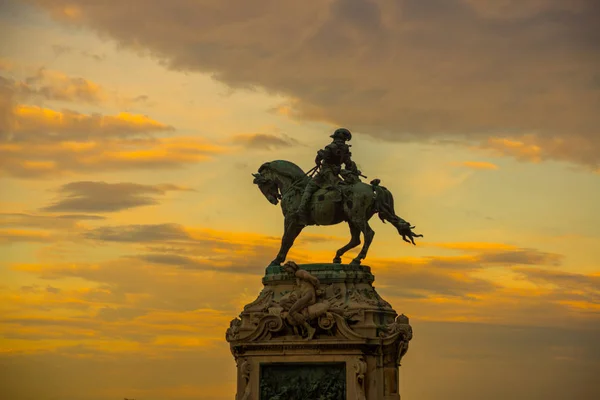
(131, 233)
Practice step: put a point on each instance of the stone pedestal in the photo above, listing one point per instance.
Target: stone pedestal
(348, 346)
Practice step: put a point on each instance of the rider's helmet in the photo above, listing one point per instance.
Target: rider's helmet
(342, 133)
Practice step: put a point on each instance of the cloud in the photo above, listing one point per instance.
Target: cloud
(121, 313)
(441, 287)
(201, 264)
(23, 123)
(47, 84)
(536, 148)
(37, 142)
(458, 277)
(477, 165)
(196, 248)
(62, 49)
(264, 141)
(47, 125)
(575, 289)
(473, 246)
(41, 160)
(6, 65)
(169, 299)
(102, 197)
(64, 221)
(522, 257)
(424, 281)
(43, 229)
(199, 249)
(51, 289)
(54, 85)
(410, 70)
(139, 233)
(493, 9)
(20, 235)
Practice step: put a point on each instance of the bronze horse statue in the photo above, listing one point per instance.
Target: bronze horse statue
(355, 203)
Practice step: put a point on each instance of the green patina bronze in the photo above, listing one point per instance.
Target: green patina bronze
(325, 272)
(333, 196)
(300, 381)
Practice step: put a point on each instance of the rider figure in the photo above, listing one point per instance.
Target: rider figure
(329, 166)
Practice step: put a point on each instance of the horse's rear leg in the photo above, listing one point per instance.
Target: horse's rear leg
(369, 234)
(354, 241)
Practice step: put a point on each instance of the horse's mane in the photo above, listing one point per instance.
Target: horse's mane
(285, 168)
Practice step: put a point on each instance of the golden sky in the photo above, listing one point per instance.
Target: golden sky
(131, 233)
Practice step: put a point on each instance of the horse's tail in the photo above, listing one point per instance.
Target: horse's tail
(384, 206)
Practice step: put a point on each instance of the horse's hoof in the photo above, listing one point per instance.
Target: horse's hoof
(355, 262)
(274, 263)
(337, 260)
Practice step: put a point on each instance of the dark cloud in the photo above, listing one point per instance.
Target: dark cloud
(51, 289)
(80, 217)
(7, 99)
(30, 289)
(53, 85)
(177, 239)
(264, 141)
(14, 236)
(450, 276)
(59, 50)
(521, 256)
(44, 221)
(107, 197)
(569, 285)
(140, 99)
(423, 282)
(205, 264)
(65, 228)
(139, 233)
(111, 314)
(399, 70)
(33, 321)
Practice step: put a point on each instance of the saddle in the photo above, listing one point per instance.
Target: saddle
(326, 204)
(329, 194)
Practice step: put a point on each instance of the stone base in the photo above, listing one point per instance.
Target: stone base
(354, 352)
(364, 375)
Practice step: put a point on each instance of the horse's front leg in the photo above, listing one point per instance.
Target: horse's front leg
(354, 241)
(290, 233)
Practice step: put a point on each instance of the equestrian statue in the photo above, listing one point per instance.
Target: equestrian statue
(327, 195)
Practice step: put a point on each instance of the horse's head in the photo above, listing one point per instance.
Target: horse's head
(268, 187)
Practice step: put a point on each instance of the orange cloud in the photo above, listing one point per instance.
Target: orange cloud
(72, 12)
(476, 165)
(101, 197)
(522, 150)
(46, 142)
(6, 65)
(472, 246)
(55, 85)
(41, 142)
(33, 119)
(264, 141)
(22, 235)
